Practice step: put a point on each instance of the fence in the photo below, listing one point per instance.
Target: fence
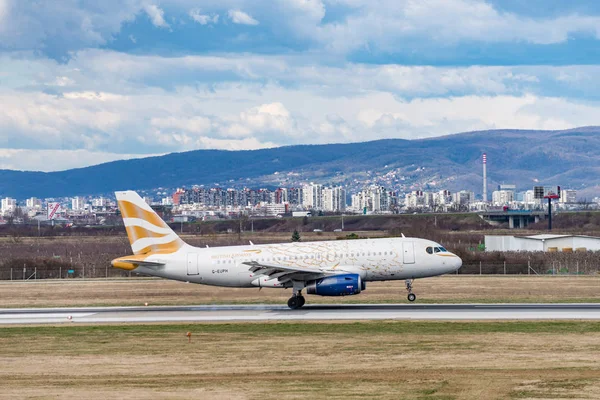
(66, 271)
(529, 268)
(59, 271)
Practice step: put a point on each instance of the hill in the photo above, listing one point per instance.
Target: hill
(525, 158)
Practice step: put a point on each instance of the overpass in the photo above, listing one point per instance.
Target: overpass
(515, 218)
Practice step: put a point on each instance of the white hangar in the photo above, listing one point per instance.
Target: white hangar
(545, 242)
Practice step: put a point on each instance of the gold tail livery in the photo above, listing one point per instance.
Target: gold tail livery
(329, 268)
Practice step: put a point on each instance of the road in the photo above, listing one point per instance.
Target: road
(232, 313)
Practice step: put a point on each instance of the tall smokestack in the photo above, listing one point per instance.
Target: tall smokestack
(485, 197)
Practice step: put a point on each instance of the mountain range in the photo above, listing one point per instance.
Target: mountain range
(569, 158)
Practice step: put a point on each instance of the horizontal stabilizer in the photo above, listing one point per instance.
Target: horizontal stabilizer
(144, 263)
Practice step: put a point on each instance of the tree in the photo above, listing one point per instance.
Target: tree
(296, 236)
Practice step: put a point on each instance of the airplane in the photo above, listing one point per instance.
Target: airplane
(326, 268)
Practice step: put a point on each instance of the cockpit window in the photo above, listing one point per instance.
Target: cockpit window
(429, 250)
(443, 250)
(436, 249)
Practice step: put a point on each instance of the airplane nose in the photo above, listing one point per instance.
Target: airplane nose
(457, 262)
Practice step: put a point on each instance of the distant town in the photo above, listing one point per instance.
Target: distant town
(201, 203)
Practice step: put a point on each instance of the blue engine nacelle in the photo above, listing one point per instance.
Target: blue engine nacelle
(336, 285)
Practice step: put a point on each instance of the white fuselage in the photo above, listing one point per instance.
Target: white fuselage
(372, 259)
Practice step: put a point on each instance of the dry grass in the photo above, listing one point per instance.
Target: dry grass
(445, 289)
(387, 360)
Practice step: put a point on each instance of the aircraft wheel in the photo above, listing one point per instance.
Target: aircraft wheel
(301, 300)
(294, 302)
(412, 297)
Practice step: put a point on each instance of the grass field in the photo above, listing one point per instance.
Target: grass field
(382, 360)
(321, 360)
(444, 289)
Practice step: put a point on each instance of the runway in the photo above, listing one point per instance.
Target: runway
(240, 313)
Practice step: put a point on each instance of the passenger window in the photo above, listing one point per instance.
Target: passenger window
(429, 250)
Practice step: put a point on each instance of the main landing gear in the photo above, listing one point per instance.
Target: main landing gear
(296, 301)
(411, 296)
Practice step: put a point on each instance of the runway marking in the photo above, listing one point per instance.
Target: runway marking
(241, 313)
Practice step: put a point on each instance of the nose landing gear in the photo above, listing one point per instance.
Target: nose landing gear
(411, 296)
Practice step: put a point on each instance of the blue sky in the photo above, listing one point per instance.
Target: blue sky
(83, 82)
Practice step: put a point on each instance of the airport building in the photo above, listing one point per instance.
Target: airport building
(544, 242)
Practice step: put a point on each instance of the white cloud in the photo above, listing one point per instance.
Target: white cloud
(3, 12)
(105, 70)
(203, 19)
(57, 160)
(268, 117)
(394, 26)
(156, 15)
(103, 101)
(193, 124)
(62, 26)
(388, 24)
(62, 81)
(240, 17)
(315, 9)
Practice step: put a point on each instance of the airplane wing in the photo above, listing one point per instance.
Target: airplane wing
(285, 273)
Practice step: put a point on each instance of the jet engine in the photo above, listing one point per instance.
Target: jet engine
(336, 285)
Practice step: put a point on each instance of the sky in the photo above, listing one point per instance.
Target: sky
(84, 82)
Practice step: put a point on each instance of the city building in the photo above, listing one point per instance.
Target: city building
(9, 205)
(375, 199)
(568, 196)
(33, 203)
(334, 199)
(414, 200)
(463, 199)
(442, 200)
(281, 196)
(312, 196)
(99, 202)
(503, 196)
(78, 203)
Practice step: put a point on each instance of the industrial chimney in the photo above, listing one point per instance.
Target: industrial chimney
(484, 159)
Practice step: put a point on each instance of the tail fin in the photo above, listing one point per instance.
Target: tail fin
(146, 231)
